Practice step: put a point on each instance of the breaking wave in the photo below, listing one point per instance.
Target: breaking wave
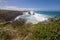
(33, 17)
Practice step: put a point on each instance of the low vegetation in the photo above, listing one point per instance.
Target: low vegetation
(49, 31)
(20, 30)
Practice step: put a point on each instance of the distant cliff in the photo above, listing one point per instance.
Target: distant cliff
(8, 15)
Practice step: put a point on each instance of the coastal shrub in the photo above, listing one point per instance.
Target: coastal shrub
(49, 31)
(4, 36)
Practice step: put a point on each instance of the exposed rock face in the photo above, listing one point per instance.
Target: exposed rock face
(31, 13)
(9, 15)
(56, 18)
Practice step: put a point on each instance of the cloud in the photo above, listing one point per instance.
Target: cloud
(3, 5)
(9, 8)
(0, 0)
(17, 8)
(3, 2)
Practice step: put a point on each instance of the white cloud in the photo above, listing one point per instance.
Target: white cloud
(3, 2)
(3, 5)
(17, 8)
(9, 8)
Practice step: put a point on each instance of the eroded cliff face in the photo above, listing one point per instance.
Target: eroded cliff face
(8, 15)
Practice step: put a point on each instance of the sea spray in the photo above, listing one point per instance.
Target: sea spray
(33, 18)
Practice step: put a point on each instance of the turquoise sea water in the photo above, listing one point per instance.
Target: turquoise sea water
(50, 13)
(38, 16)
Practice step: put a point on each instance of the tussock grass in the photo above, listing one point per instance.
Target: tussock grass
(20, 30)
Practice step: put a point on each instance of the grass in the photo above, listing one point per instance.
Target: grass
(49, 31)
(20, 30)
(4, 36)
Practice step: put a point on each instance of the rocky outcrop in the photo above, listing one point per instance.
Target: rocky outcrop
(55, 18)
(9, 14)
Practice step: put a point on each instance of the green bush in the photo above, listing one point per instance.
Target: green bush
(5, 36)
(49, 31)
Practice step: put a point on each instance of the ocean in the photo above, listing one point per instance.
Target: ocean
(50, 13)
(37, 16)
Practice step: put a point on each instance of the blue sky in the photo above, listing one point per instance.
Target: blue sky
(40, 4)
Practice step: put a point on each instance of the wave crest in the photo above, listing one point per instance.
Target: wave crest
(33, 17)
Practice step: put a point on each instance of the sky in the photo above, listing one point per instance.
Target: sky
(44, 5)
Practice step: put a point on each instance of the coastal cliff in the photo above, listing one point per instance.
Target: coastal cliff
(9, 15)
(20, 30)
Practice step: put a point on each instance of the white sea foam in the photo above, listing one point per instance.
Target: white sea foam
(33, 18)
